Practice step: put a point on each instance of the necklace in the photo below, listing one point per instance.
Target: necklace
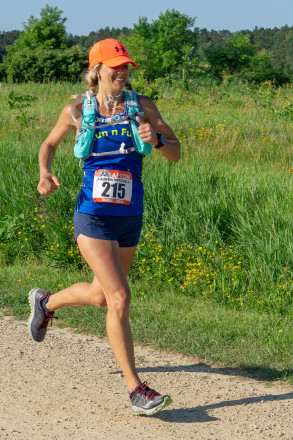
(119, 108)
(111, 104)
(111, 100)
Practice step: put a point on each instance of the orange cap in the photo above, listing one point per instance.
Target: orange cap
(110, 52)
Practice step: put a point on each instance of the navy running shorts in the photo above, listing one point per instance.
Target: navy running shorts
(125, 229)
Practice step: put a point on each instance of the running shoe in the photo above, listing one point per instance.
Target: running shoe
(146, 401)
(39, 319)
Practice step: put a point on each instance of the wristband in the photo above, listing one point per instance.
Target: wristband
(161, 141)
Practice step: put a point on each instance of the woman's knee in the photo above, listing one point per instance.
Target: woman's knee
(119, 302)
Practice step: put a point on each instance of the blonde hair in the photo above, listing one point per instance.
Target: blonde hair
(92, 78)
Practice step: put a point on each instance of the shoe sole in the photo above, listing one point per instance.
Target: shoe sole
(32, 305)
(166, 402)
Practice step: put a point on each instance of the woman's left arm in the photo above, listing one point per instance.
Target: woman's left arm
(152, 125)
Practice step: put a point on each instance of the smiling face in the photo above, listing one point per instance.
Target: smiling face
(114, 78)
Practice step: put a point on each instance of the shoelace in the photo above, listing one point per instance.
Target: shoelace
(46, 319)
(146, 391)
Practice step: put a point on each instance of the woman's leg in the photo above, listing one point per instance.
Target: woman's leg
(85, 293)
(109, 264)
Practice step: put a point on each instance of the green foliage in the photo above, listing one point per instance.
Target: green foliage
(234, 55)
(145, 87)
(267, 94)
(2, 72)
(287, 110)
(174, 39)
(168, 47)
(41, 52)
(7, 39)
(87, 41)
(260, 69)
(140, 46)
(278, 41)
(282, 40)
(44, 64)
(20, 103)
(47, 32)
(238, 57)
(150, 44)
(215, 224)
(210, 40)
(8, 224)
(211, 258)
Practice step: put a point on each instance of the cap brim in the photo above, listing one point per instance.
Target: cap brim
(113, 62)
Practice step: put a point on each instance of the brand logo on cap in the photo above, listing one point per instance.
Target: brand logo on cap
(119, 48)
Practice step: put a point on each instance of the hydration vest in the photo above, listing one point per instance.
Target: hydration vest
(85, 138)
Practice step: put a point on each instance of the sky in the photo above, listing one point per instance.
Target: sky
(91, 15)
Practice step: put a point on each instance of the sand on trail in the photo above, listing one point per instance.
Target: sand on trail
(69, 387)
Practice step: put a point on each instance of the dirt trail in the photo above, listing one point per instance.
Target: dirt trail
(69, 388)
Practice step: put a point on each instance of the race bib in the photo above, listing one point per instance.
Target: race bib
(112, 186)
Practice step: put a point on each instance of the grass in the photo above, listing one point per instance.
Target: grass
(213, 271)
(257, 342)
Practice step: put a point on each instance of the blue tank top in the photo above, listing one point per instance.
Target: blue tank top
(112, 174)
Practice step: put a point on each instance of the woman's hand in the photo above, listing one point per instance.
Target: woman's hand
(48, 184)
(146, 133)
(155, 124)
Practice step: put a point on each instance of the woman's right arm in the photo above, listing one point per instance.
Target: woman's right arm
(48, 182)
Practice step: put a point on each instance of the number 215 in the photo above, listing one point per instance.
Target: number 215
(118, 190)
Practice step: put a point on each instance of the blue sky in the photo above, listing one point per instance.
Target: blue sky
(91, 15)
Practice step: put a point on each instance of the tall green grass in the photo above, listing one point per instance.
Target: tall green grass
(226, 205)
(217, 225)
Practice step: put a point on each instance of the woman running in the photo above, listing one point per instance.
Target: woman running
(108, 211)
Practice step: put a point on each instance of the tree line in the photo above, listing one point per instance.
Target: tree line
(170, 46)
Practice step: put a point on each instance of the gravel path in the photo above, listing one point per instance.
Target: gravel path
(70, 388)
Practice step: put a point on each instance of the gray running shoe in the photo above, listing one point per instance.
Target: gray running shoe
(147, 401)
(39, 319)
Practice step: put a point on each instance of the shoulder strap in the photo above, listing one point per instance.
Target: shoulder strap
(132, 107)
(131, 101)
(89, 103)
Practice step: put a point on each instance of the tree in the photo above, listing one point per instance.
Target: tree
(239, 56)
(140, 44)
(260, 69)
(101, 34)
(208, 41)
(163, 46)
(51, 65)
(48, 32)
(173, 35)
(7, 38)
(42, 51)
(234, 56)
